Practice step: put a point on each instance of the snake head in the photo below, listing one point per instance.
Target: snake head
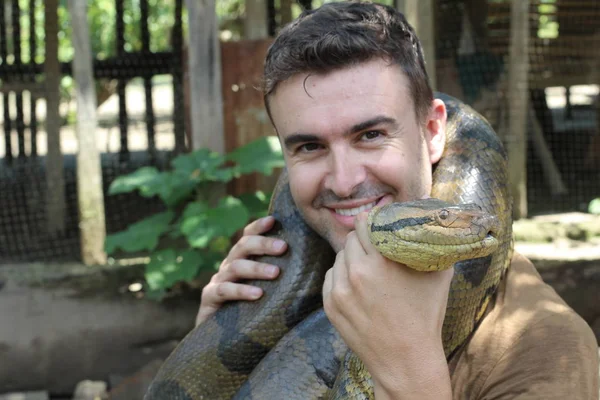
(432, 234)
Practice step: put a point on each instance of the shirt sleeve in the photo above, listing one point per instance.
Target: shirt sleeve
(550, 360)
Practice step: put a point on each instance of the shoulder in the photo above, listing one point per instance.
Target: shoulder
(555, 357)
(530, 345)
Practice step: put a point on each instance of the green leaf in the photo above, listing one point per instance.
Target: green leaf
(201, 224)
(261, 155)
(257, 203)
(175, 188)
(134, 181)
(167, 267)
(213, 259)
(142, 235)
(170, 187)
(202, 165)
(220, 245)
(594, 206)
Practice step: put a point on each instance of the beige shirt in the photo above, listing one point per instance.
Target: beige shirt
(530, 345)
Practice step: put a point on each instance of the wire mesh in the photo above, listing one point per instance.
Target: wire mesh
(140, 83)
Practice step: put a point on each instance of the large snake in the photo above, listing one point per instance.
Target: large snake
(283, 346)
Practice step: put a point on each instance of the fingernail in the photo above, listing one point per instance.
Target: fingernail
(278, 245)
(271, 270)
(255, 292)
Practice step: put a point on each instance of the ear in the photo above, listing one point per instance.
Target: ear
(435, 130)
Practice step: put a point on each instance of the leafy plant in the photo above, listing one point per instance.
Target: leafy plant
(205, 224)
(594, 206)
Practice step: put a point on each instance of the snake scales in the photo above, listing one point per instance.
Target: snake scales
(283, 346)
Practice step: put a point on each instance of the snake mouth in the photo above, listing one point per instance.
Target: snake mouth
(431, 233)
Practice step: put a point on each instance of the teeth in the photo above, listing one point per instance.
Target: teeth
(350, 212)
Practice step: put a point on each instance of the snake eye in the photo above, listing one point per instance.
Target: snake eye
(444, 214)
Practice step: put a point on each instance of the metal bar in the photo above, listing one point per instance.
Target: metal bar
(271, 14)
(144, 26)
(120, 23)
(178, 106)
(150, 120)
(6, 98)
(33, 96)
(20, 123)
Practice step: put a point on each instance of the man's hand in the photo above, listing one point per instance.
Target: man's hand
(223, 287)
(391, 316)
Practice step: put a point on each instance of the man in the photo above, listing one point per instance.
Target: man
(348, 95)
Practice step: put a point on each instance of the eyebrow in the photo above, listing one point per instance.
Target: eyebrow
(300, 137)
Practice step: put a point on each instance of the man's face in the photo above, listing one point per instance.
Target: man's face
(351, 141)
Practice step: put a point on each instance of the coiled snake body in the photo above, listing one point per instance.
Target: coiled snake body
(283, 346)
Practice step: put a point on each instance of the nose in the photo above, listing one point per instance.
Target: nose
(345, 173)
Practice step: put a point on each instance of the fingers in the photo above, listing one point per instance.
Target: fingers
(330, 276)
(336, 292)
(335, 286)
(216, 293)
(245, 269)
(255, 245)
(259, 226)
(237, 266)
(221, 292)
(362, 233)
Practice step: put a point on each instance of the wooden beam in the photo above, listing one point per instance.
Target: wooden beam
(420, 15)
(55, 182)
(204, 72)
(551, 171)
(255, 23)
(37, 89)
(518, 95)
(90, 197)
(285, 12)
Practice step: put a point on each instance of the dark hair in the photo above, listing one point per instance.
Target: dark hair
(343, 34)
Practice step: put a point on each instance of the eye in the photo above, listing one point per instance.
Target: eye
(444, 214)
(309, 147)
(370, 135)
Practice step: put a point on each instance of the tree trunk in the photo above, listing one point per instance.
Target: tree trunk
(518, 96)
(89, 171)
(255, 23)
(55, 200)
(420, 15)
(204, 74)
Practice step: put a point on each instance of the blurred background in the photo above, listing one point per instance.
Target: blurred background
(134, 145)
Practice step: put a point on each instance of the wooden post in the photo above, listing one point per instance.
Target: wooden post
(518, 96)
(420, 14)
(55, 182)
(204, 71)
(285, 12)
(89, 172)
(255, 23)
(551, 172)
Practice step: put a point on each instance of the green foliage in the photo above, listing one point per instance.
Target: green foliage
(102, 19)
(102, 26)
(204, 224)
(594, 206)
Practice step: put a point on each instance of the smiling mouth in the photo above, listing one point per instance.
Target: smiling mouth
(351, 212)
